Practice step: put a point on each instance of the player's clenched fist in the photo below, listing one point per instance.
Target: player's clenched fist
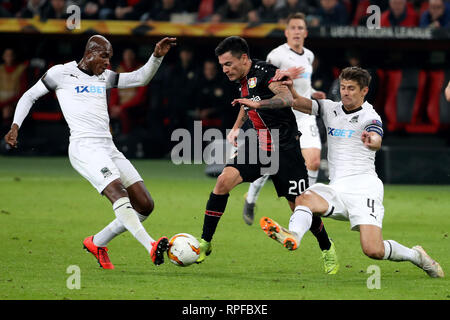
(371, 140)
(11, 136)
(232, 136)
(163, 46)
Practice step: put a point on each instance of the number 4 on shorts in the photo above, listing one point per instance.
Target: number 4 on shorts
(371, 204)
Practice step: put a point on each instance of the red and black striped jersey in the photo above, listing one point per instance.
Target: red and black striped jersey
(255, 86)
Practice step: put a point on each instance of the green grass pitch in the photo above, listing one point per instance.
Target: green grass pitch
(47, 209)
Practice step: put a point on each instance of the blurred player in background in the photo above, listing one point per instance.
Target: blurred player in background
(288, 55)
(81, 92)
(255, 78)
(125, 104)
(13, 81)
(355, 192)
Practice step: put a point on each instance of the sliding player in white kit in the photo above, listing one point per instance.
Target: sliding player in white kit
(355, 193)
(288, 55)
(81, 92)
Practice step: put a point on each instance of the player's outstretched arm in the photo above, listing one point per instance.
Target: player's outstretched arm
(22, 109)
(302, 104)
(298, 102)
(283, 77)
(281, 99)
(143, 75)
(286, 77)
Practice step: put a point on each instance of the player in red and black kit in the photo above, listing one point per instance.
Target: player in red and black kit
(278, 137)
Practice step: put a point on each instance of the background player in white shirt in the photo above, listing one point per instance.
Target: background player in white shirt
(355, 193)
(81, 92)
(288, 55)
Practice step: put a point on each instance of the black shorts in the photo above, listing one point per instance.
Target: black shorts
(290, 180)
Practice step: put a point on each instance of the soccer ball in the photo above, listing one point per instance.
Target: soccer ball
(184, 249)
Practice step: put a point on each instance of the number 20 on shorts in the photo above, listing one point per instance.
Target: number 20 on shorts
(297, 187)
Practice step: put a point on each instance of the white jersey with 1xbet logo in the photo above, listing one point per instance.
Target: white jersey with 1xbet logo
(347, 155)
(355, 192)
(83, 101)
(82, 98)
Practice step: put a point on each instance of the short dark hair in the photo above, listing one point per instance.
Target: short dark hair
(357, 74)
(296, 15)
(236, 45)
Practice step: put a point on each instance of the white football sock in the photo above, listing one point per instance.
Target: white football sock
(255, 188)
(312, 176)
(394, 251)
(128, 217)
(300, 221)
(112, 230)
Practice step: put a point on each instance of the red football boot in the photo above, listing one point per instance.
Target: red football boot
(158, 248)
(101, 253)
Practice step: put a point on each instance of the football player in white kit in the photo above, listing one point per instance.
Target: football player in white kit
(288, 55)
(81, 92)
(355, 193)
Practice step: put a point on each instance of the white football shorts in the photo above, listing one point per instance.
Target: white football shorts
(358, 199)
(99, 162)
(307, 125)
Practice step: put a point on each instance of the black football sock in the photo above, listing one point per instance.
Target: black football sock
(214, 210)
(318, 230)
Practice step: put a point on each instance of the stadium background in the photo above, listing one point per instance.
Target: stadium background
(409, 64)
(47, 208)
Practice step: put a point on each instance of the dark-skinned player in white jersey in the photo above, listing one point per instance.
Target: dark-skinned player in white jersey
(81, 92)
